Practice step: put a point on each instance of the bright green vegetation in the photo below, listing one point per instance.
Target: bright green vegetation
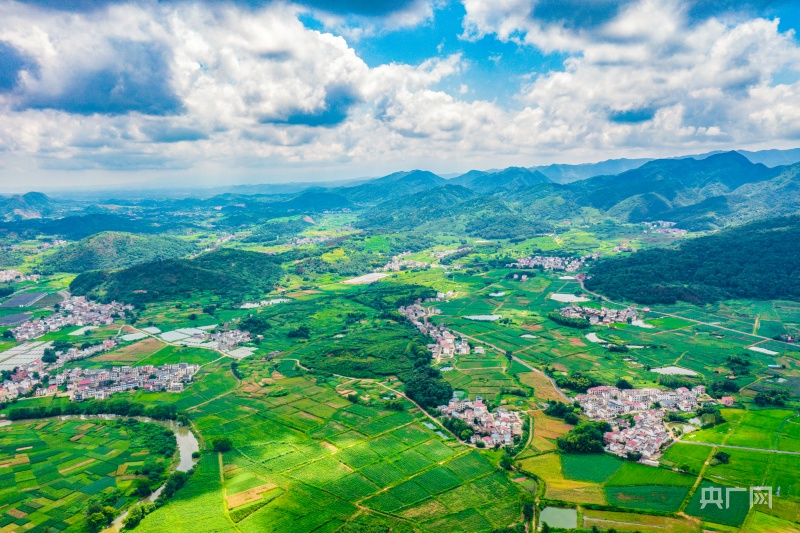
(589, 467)
(109, 250)
(308, 458)
(315, 430)
(777, 429)
(52, 470)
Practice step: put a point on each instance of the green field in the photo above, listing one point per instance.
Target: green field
(50, 470)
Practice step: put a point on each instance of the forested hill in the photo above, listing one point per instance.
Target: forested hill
(111, 250)
(231, 274)
(760, 260)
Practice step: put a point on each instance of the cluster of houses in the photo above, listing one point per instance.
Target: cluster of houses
(444, 253)
(606, 402)
(445, 344)
(602, 315)
(441, 297)
(624, 248)
(29, 367)
(20, 382)
(15, 275)
(498, 428)
(567, 264)
(74, 311)
(664, 227)
(100, 384)
(645, 436)
(40, 247)
(302, 241)
(647, 433)
(398, 263)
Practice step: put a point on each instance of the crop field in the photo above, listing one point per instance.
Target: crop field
(49, 469)
(637, 522)
(306, 459)
(775, 429)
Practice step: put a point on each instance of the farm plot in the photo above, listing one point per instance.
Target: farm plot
(321, 457)
(50, 469)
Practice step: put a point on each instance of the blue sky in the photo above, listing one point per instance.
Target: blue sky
(111, 93)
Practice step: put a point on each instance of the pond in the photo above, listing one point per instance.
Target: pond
(559, 518)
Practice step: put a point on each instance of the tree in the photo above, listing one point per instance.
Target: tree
(97, 522)
(506, 462)
(722, 457)
(192, 316)
(141, 488)
(222, 444)
(571, 419)
(623, 384)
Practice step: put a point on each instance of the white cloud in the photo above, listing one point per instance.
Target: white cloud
(245, 82)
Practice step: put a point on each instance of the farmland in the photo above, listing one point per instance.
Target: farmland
(52, 469)
(304, 458)
(323, 439)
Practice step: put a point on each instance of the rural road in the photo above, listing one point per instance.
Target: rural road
(782, 452)
(717, 326)
(520, 361)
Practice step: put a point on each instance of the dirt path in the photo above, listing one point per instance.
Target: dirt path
(426, 413)
(731, 446)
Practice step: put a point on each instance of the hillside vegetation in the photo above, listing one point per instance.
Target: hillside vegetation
(231, 274)
(111, 250)
(760, 260)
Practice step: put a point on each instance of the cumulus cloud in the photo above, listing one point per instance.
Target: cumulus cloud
(172, 85)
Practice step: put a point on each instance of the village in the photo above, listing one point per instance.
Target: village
(664, 227)
(15, 275)
(492, 429)
(645, 432)
(446, 345)
(603, 315)
(567, 264)
(444, 253)
(100, 384)
(398, 263)
(74, 311)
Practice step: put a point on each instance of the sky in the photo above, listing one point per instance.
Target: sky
(106, 93)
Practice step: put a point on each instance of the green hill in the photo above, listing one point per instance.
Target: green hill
(410, 211)
(507, 179)
(234, 275)
(392, 186)
(111, 250)
(760, 260)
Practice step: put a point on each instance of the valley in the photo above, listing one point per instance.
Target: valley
(309, 339)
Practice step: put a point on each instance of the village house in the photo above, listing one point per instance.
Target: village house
(498, 428)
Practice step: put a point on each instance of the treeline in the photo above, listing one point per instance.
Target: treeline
(391, 296)
(120, 407)
(506, 226)
(275, 232)
(570, 322)
(428, 389)
(760, 261)
(227, 273)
